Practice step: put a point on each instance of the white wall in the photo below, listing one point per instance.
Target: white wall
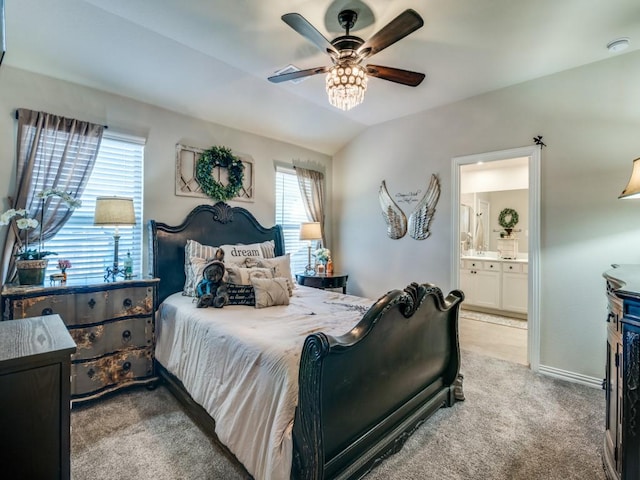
(163, 129)
(590, 120)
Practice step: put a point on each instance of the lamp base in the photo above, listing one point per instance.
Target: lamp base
(113, 272)
(309, 270)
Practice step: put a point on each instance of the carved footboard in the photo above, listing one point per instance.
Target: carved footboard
(362, 394)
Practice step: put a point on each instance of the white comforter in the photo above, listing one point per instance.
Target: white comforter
(241, 364)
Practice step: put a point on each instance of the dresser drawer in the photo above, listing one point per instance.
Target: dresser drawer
(513, 267)
(491, 266)
(119, 369)
(88, 307)
(99, 340)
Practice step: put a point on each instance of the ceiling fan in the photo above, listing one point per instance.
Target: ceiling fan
(346, 81)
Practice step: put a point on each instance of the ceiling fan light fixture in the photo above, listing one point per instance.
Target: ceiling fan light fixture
(346, 85)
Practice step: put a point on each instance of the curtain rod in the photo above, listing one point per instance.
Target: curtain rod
(16, 115)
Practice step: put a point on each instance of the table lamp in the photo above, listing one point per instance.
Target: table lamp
(632, 190)
(114, 211)
(310, 231)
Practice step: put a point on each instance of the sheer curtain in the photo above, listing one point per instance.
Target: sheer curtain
(311, 184)
(53, 152)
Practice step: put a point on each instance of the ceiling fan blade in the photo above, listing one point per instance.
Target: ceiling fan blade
(284, 77)
(401, 26)
(308, 31)
(405, 77)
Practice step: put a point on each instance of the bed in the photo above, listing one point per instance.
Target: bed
(361, 389)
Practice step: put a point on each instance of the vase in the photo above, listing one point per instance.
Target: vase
(31, 272)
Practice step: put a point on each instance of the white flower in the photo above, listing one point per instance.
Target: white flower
(26, 223)
(6, 217)
(68, 199)
(323, 254)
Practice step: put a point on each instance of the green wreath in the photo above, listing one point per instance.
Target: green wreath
(508, 218)
(219, 157)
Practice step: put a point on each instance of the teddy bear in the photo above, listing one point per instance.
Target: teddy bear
(212, 289)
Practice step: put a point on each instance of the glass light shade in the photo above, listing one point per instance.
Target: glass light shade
(632, 190)
(114, 211)
(346, 85)
(310, 231)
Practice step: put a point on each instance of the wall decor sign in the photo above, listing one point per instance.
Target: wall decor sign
(186, 169)
(421, 216)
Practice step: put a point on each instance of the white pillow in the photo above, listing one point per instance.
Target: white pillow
(281, 267)
(237, 254)
(270, 291)
(243, 276)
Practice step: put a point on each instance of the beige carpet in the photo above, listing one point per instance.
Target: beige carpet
(514, 425)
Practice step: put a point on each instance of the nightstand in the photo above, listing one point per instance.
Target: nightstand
(34, 404)
(113, 325)
(324, 280)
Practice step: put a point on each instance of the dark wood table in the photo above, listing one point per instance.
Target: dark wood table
(35, 360)
(324, 280)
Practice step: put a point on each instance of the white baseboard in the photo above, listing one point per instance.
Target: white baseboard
(570, 376)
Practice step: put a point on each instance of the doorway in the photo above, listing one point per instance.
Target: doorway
(481, 235)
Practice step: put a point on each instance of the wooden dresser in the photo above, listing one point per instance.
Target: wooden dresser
(112, 324)
(34, 398)
(622, 381)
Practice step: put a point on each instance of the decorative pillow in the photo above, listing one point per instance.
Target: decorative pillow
(194, 249)
(270, 291)
(240, 294)
(268, 249)
(243, 276)
(281, 267)
(237, 254)
(234, 254)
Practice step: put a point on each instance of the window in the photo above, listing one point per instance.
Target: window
(89, 248)
(290, 213)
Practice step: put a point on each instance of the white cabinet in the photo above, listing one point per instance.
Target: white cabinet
(496, 285)
(515, 286)
(480, 282)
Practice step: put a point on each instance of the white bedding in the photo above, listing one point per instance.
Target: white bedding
(241, 364)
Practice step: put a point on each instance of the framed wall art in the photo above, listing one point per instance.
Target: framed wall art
(187, 185)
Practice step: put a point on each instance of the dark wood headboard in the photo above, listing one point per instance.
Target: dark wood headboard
(218, 224)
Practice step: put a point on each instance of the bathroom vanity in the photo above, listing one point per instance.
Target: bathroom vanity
(494, 284)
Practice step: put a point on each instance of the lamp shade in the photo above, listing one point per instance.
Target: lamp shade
(114, 211)
(632, 190)
(310, 231)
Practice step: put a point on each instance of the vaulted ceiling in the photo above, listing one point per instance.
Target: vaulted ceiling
(210, 59)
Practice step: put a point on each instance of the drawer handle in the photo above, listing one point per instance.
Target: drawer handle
(510, 267)
(91, 372)
(92, 303)
(127, 303)
(92, 337)
(126, 366)
(490, 266)
(47, 311)
(126, 335)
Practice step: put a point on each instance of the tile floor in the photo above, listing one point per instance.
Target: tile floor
(499, 337)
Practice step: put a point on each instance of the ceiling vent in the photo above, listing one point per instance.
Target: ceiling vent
(290, 69)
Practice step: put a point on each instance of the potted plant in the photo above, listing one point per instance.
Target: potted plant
(322, 256)
(31, 262)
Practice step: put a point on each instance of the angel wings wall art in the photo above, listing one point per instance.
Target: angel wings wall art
(420, 218)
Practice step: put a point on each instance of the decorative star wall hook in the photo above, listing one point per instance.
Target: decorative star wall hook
(538, 141)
